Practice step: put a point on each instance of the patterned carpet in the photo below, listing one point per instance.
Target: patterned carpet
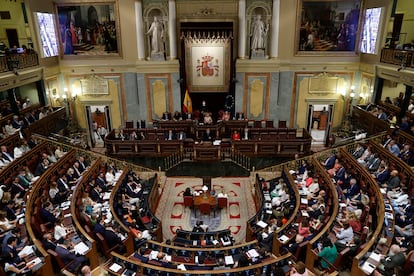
(240, 206)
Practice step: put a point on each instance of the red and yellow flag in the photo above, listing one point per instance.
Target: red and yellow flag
(187, 104)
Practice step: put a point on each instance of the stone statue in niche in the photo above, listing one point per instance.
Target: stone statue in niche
(156, 33)
(258, 37)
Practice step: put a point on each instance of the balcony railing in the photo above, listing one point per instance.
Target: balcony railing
(403, 58)
(13, 62)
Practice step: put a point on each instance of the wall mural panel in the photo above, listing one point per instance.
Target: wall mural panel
(88, 30)
(327, 26)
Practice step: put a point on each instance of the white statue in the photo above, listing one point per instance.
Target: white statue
(258, 32)
(156, 31)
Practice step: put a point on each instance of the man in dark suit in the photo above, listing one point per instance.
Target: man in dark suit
(394, 259)
(181, 135)
(358, 151)
(62, 184)
(330, 162)
(208, 135)
(48, 242)
(382, 174)
(46, 214)
(381, 114)
(112, 240)
(169, 135)
(17, 189)
(41, 167)
(101, 182)
(95, 194)
(64, 252)
(16, 123)
(353, 189)
(6, 154)
(374, 163)
(340, 173)
(83, 165)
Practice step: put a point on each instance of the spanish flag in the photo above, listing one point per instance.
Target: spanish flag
(187, 104)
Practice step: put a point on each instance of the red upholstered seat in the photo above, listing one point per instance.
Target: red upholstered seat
(222, 202)
(188, 201)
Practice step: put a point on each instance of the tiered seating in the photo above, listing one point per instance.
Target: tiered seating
(203, 239)
(143, 213)
(265, 211)
(195, 261)
(37, 228)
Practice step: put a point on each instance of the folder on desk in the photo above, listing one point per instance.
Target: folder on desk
(81, 248)
(181, 267)
(34, 262)
(261, 223)
(115, 267)
(27, 250)
(375, 257)
(283, 238)
(252, 253)
(368, 268)
(228, 260)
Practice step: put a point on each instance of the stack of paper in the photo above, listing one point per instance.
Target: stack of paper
(368, 268)
(181, 267)
(261, 224)
(26, 251)
(252, 253)
(228, 260)
(81, 248)
(283, 238)
(115, 267)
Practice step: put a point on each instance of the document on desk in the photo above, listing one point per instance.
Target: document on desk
(81, 248)
(34, 262)
(303, 200)
(375, 257)
(27, 250)
(261, 224)
(368, 268)
(115, 267)
(181, 267)
(228, 260)
(252, 253)
(107, 196)
(283, 238)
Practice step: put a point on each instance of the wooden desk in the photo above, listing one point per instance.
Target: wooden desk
(198, 200)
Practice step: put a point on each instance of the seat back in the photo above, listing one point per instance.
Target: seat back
(188, 201)
(222, 202)
(129, 124)
(104, 245)
(409, 263)
(336, 265)
(58, 259)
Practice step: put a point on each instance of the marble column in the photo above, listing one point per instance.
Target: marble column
(140, 29)
(242, 29)
(172, 29)
(274, 47)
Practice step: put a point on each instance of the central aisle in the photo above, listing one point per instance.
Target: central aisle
(174, 216)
